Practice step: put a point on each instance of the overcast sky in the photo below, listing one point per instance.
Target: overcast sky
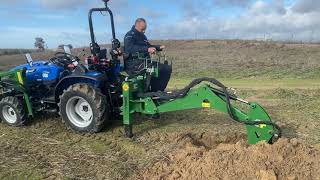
(65, 21)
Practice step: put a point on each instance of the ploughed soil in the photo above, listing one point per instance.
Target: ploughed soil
(212, 157)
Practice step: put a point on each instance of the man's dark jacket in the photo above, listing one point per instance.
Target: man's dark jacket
(137, 42)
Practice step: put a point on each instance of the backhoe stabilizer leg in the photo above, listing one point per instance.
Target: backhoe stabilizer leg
(128, 131)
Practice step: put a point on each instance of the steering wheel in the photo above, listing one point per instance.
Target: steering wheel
(64, 59)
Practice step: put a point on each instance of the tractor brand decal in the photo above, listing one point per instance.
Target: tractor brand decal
(206, 105)
(45, 74)
(125, 87)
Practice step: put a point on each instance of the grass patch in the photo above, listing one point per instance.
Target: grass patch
(263, 84)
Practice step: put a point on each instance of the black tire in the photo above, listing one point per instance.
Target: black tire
(95, 103)
(12, 111)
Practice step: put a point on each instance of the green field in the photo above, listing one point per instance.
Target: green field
(258, 84)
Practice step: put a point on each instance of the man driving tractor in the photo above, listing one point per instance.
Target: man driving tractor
(136, 43)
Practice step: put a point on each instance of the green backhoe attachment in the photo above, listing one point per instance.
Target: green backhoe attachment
(196, 95)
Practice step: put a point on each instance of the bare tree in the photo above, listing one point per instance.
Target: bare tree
(40, 43)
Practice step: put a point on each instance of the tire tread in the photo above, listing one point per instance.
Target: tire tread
(18, 106)
(99, 100)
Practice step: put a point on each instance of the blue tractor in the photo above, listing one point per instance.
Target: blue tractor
(84, 95)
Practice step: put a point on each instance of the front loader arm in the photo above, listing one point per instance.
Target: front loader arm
(14, 80)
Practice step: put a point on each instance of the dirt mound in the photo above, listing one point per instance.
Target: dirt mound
(200, 157)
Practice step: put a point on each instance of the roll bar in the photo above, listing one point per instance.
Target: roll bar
(95, 49)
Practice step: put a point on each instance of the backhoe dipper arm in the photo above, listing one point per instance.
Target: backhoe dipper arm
(206, 97)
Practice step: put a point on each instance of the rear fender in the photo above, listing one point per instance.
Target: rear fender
(96, 82)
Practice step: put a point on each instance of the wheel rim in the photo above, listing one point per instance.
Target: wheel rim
(9, 114)
(79, 112)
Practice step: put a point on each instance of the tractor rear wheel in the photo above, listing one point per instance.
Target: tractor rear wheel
(83, 108)
(12, 111)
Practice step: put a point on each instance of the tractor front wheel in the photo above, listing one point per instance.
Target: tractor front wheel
(83, 109)
(12, 111)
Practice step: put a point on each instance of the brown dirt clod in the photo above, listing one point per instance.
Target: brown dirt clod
(202, 159)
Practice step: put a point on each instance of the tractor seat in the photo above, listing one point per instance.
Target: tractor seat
(103, 54)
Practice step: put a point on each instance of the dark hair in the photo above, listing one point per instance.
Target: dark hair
(140, 20)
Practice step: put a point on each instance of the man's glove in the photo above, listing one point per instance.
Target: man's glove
(152, 50)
